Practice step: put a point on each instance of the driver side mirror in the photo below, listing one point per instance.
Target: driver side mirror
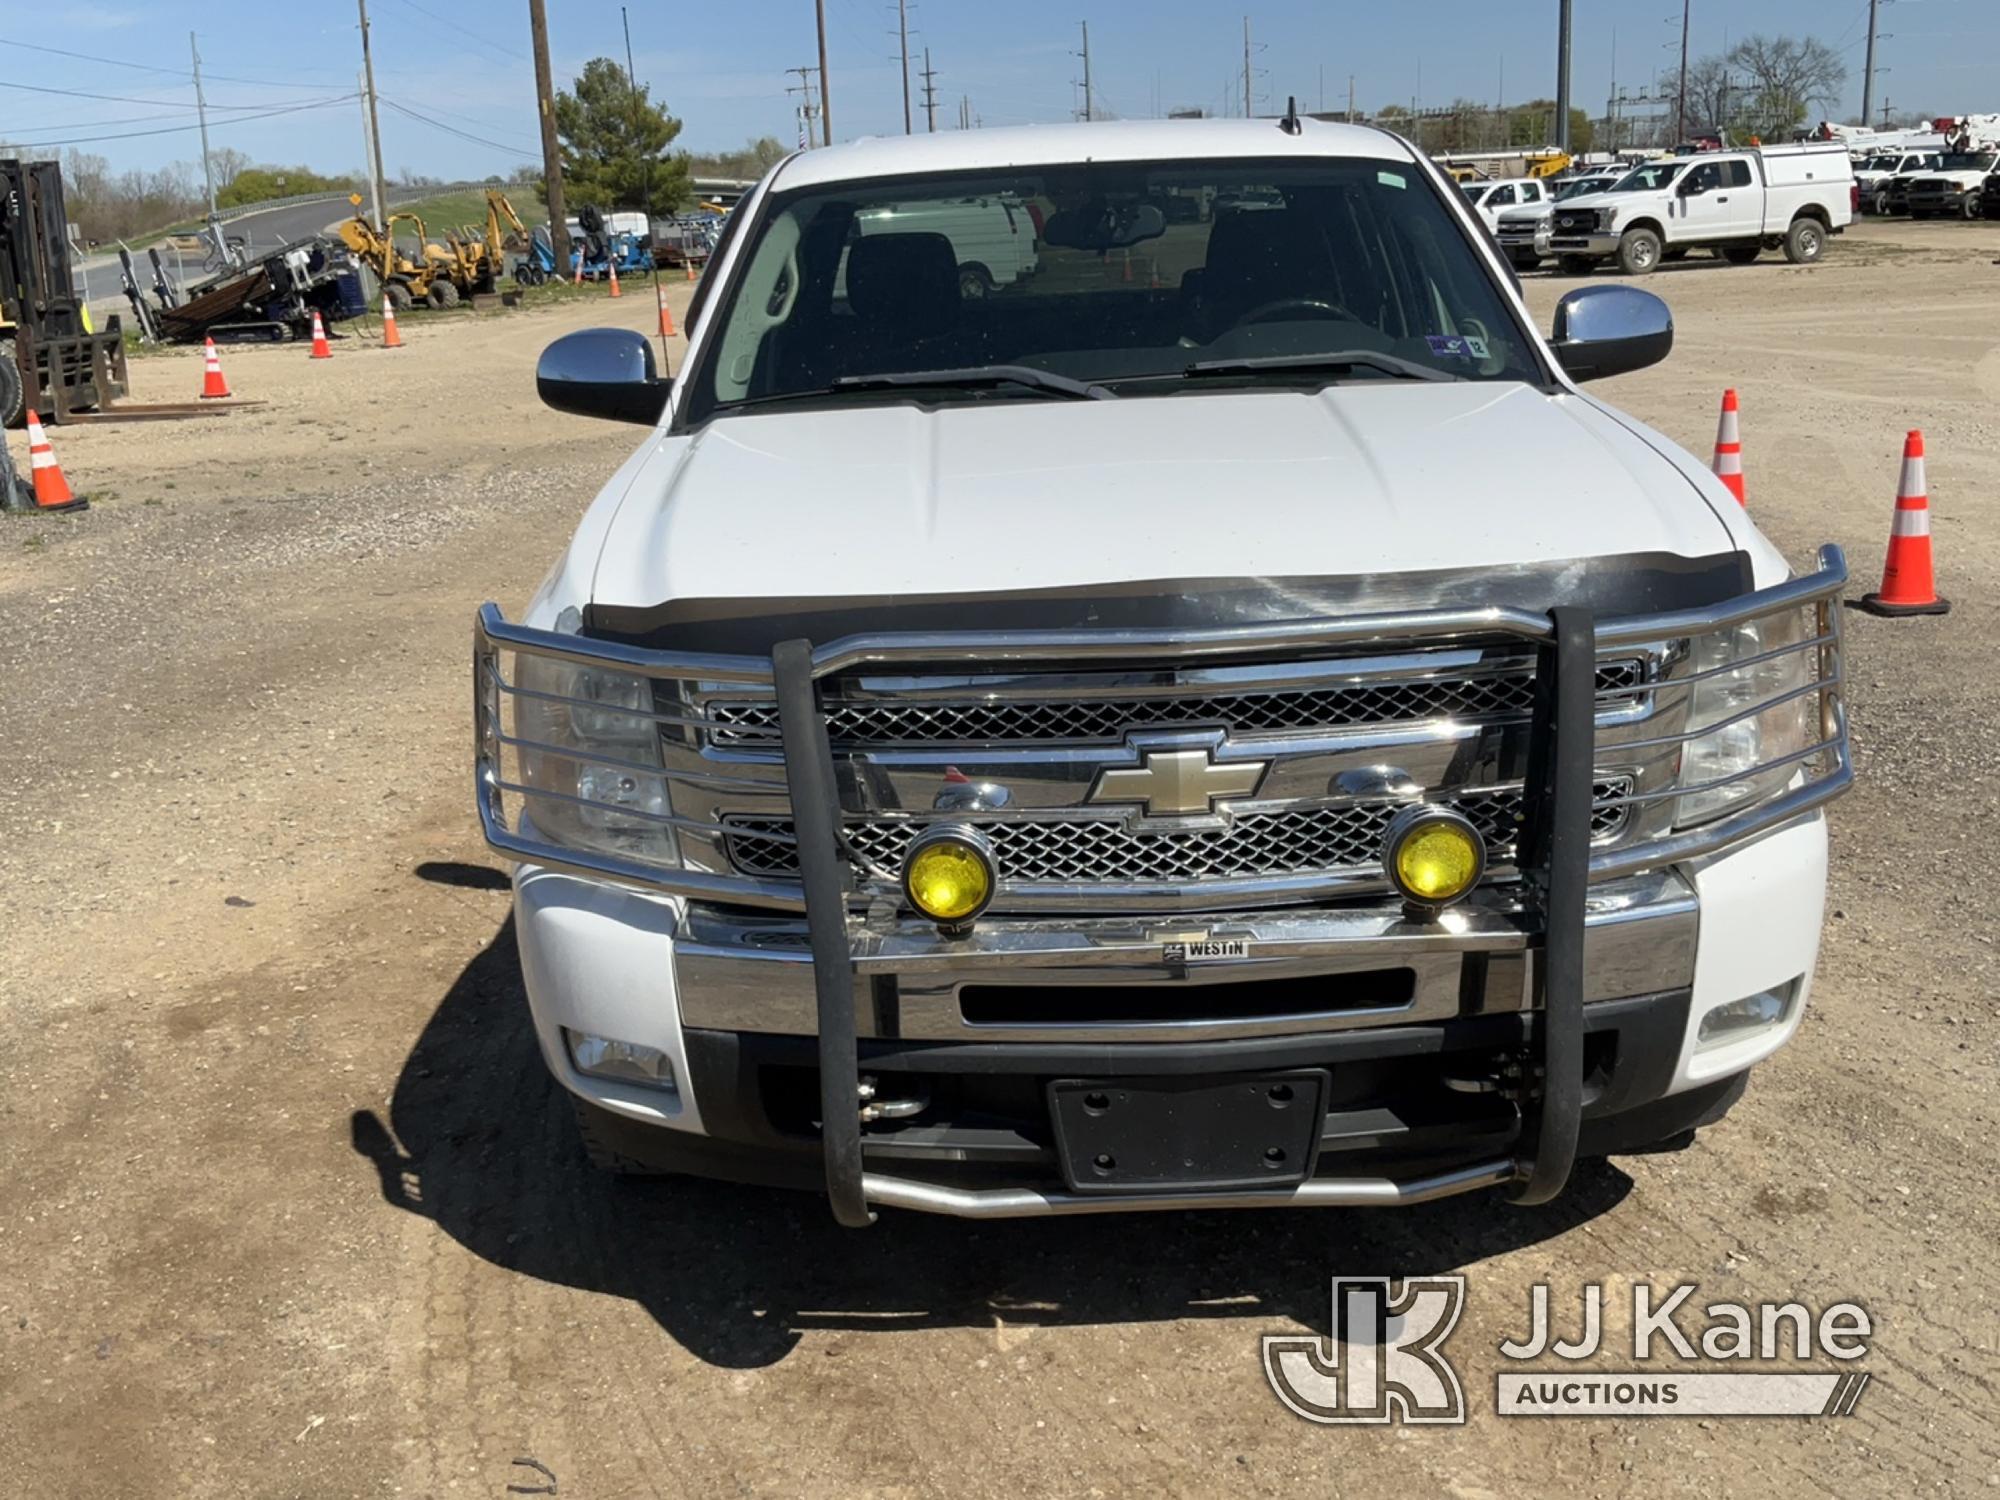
(1611, 330)
(603, 372)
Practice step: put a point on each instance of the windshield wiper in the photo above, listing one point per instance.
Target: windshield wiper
(1332, 362)
(979, 375)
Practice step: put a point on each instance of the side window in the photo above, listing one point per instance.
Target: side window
(1501, 198)
(1531, 192)
(1739, 174)
(1705, 178)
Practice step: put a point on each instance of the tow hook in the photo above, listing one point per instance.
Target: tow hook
(873, 1109)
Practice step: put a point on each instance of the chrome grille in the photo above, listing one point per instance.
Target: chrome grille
(1508, 693)
(1066, 851)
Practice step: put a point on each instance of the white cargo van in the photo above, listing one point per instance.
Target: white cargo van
(992, 238)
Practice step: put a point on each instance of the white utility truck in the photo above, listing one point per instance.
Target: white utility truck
(1737, 203)
(1873, 175)
(1955, 186)
(1524, 233)
(1126, 745)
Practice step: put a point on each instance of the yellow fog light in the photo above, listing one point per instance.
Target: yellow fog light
(948, 875)
(1433, 855)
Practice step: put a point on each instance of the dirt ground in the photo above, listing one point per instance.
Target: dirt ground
(292, 1209)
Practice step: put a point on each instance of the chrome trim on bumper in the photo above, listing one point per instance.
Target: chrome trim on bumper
(738, 972)
(1032, 1203)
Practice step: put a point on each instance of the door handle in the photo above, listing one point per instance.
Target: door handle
(1721, 200)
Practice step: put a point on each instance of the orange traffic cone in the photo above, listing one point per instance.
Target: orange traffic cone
(213, 386)
(1729, 449)
(579, 268)
(614, 279)
(321, 348)
(666, 317)
(688, 266)
(391, 339)
(1907, 585)
(1127, 277)
(1153, 284)
(52, 491)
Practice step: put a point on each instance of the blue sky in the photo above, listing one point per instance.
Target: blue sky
(460, 67)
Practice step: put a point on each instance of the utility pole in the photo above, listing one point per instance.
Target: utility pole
(808, 111)
(1562, 75)
(201, 109)
(545, 107)
(930, 95)
(1350, 98)
(374, 120)
(1868, 70)
(638, 110)
(1681, 93)
(1086, 72)
(903, 40)
(1246, 68)
(825, 86)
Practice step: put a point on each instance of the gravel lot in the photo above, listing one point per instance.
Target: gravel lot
(292, 1209)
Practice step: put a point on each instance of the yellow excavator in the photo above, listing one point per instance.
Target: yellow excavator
(478, 258)
(404, 280)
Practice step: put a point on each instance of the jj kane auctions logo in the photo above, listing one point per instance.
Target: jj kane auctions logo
(1386, 1360)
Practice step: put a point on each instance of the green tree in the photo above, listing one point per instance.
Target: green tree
(258, 184)
(615, 144)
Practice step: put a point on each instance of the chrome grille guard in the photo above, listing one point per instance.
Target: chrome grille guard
(1556, 861)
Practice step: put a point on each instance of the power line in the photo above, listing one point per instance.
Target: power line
(131, 135)
(113, 62)
(37, 88)
(463, 31)
(465, 135)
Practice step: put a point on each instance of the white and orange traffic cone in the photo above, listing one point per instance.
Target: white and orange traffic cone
(391, 339)
(579, 268)
(321, 348)
(687, 264)
(1908, 587)
(52, 491)
(666, 317)
(1729, 449)
(614, 278)
(213, 386)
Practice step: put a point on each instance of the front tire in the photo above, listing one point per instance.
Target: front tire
(1639, 252)
(398, 293)
(975, 283)
(1881, 203)
(1805, 241)
(442, 294)
(1969, 206)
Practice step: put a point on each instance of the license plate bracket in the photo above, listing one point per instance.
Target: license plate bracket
(1144, 1135)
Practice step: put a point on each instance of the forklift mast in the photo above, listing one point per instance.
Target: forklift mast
(63, 366)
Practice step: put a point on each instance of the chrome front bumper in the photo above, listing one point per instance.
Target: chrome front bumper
(1599, 243)
(737, 971)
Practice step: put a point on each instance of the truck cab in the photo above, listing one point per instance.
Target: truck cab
(1738, 203)
(1524, 233)
(1491, 199)
(1954, 188)
(1123, 745)
(1874, 175)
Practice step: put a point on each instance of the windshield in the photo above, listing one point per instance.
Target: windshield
(1472, 191)
(1649, 178)
(1968, 161)
(1581, 186)
(1121, 275)
(1881, 164)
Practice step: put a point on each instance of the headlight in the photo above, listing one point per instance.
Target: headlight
(595, 751)
(1742, 735)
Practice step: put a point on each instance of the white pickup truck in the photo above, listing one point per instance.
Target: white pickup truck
(1125, 745)
(1954, 188)
(1524, 233)
(1738, 203)
(1873, 175)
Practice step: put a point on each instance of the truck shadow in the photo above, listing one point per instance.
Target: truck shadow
(480, 1140)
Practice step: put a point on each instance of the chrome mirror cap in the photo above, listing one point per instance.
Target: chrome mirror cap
(602, 372)
(1611, 330)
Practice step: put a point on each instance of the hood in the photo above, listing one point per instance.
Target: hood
(1353, 481)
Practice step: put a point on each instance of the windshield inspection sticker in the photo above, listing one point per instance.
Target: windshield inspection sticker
(1456, 346)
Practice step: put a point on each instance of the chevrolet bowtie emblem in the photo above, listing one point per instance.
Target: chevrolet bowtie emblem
(1178, 783)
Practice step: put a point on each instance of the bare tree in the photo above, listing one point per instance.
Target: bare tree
(1784, 79)
(1706, 104)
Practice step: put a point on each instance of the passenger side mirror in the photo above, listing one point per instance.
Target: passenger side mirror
(603, 372)
(1610, 330)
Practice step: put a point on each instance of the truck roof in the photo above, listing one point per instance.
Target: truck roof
(1057, 145)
